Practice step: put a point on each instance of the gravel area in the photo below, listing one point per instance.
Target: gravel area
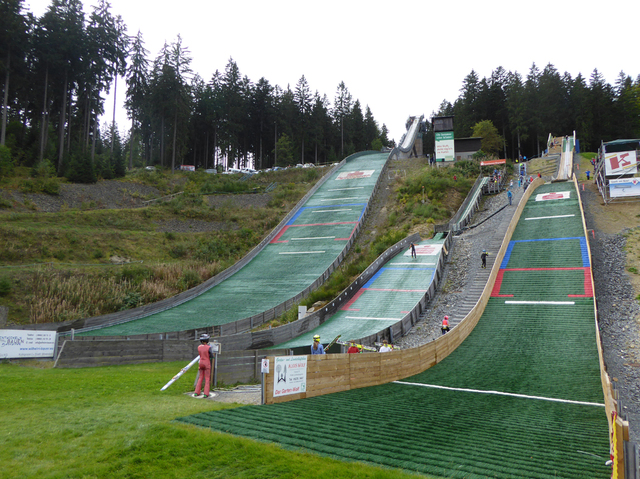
(240, 395)
(618, 317)
(106, 194)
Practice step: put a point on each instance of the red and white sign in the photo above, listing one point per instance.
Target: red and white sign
(290, 375)
(555, 195)
(425, 250)
(621, 163)
(492, 162)
(354, 175)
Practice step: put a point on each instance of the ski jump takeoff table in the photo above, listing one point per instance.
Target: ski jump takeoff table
(520, 397)
(295, 258)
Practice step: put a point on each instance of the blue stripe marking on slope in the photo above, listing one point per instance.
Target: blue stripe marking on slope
(583, 249)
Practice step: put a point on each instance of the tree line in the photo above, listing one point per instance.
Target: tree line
(525, 110)
(58, 68)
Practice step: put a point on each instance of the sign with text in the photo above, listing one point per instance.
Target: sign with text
(445, 150)
(624, 187)
(290, 375)
(21, 343)
(621, 163)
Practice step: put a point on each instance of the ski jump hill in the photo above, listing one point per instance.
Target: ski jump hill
(517, 389)
(297, 257)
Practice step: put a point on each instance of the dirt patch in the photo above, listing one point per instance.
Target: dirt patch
(258, 200)
(106, 194)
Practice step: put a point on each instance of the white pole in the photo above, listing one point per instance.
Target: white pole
(182, 371)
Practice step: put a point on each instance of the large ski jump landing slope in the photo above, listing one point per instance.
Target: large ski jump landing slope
(295, 258)
(521, 397)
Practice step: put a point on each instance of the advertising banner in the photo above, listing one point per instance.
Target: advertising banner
(445, 150)
(19, 343)
(290, 375)
(624, 187)
(620, 163)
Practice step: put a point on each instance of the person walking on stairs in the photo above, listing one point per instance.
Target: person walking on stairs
(445, 325)
(483, 257)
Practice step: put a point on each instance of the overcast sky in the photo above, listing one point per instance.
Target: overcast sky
(401, 58)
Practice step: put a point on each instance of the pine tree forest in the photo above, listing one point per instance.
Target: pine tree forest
(56, 72)
(525, 110)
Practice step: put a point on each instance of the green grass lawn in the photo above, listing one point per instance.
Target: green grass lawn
(114, 422)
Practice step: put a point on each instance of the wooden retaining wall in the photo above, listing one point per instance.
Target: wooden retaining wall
(233, 366)
(611, 405)
(340, 372)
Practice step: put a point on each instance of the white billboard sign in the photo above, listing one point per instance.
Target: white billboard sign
(290, 375)
(620, 163)
(624, 187)
(445, 149)
(21, 343)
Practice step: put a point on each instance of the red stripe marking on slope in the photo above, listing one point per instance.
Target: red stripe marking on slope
(347, 306)
(495, 293)
(588, 286)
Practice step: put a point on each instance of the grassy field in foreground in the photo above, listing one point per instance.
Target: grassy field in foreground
(114, 422)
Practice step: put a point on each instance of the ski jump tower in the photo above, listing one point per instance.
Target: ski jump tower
(410, 145)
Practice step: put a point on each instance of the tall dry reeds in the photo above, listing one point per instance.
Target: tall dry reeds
(60, 296)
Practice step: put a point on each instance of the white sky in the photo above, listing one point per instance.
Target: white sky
(400, 58)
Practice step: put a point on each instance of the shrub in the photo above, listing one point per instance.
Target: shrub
(5, 286)
(81, 170)
(43, 169)
(6, 162)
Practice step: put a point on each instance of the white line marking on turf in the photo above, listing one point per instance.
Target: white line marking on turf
(342, 189)
(564, 303)
(414, 264)
(375, 319)
(500, 393)
(548, 217)
(313, 238)
(331, 211)
(347, 198)
(302, 252)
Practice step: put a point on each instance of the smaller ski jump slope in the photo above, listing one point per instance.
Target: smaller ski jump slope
(296, 257)
(520, 397)
(383, 300)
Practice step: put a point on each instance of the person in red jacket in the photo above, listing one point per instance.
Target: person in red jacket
(353, 348)
(206, 353)
(445, 325)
